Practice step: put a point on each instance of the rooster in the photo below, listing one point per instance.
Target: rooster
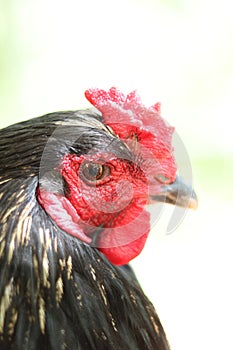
(73, 191)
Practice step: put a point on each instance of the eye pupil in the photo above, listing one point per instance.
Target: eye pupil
(95, 170)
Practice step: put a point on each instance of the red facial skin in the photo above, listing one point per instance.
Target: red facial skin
(115, 202)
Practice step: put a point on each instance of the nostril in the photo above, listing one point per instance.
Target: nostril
(162, 179)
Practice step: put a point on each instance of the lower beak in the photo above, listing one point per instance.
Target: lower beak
(177, 193)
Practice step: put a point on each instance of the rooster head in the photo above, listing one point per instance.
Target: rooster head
(117, 163)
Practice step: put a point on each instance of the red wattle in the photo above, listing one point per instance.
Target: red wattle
(122, 244)
(124, 254)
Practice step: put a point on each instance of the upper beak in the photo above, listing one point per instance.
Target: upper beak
(177, 193)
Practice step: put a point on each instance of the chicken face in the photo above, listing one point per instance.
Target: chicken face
(110, 176)
(103, 202)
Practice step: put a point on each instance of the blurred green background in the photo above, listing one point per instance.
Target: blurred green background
(179, 52)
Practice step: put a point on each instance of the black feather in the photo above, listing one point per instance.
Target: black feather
(57, 292)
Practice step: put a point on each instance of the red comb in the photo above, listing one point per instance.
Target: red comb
(128, 117)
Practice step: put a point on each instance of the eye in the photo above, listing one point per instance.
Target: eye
(93, 172)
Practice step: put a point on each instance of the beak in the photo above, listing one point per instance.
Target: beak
(177, 193)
